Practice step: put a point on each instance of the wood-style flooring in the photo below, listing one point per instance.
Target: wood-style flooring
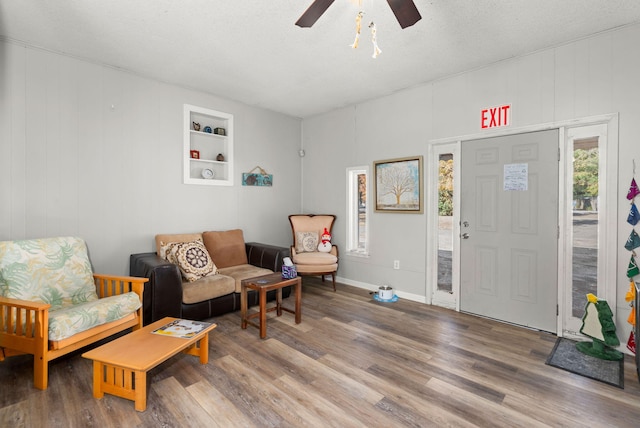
(352, 362)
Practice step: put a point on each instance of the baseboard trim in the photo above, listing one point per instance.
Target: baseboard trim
(373, 288)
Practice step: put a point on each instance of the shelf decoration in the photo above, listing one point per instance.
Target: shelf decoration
(262, 178)
(195, 154)
(632, 243)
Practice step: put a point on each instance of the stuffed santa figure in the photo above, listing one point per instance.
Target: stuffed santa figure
(325, 242)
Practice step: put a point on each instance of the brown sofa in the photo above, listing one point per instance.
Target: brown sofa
(168, 293)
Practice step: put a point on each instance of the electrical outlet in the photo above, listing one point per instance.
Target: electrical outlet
(396, 264)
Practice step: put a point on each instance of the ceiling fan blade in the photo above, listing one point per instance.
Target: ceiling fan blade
(315, 11)
(405, 11)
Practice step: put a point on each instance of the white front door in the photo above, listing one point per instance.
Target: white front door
(509, 228)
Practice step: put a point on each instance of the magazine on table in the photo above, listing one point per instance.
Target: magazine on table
(185, 329)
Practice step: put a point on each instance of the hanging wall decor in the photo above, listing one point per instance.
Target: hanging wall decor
(257, 179)
(632, 243)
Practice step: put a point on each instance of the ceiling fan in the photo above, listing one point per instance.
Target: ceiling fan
(405, 11)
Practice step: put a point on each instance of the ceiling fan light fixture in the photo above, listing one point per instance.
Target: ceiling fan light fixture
(374, 40)
(359, 16)
(405, 11)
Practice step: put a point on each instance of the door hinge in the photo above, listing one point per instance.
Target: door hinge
(557, 310)
(558, 154)
(558, 237)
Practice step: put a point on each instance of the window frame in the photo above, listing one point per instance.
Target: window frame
(353, 211)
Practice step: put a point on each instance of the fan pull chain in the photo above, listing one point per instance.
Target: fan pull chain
(376, 49)
(358, 28)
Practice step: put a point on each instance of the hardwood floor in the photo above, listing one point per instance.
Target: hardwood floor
(352, 362)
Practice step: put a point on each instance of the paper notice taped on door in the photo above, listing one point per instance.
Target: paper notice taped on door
(516, 176)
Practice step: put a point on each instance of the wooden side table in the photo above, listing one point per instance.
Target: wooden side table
(264, 284)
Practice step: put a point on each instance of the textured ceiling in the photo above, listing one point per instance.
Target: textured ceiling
(251, 51)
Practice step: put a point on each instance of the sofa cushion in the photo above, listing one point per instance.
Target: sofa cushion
(56, 271)
(208, 287)
(191, 257)
(240, 272)
(317, 258)
(307, 242)
(226, 248)
(68, 321)
(175, 237)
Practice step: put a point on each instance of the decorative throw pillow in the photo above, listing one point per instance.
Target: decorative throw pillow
(163, 249)
(191, 257)
(307, 242)
(226, 248)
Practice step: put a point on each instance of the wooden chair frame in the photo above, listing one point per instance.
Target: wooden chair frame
(32, 337)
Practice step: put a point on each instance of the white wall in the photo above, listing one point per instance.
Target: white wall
(70, 164)
(593, 76)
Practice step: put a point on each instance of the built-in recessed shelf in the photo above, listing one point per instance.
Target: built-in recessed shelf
(202, 149)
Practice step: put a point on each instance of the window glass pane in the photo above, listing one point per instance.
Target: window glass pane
(357, 228)
(362, 211)
(445, 217)
(585, 222)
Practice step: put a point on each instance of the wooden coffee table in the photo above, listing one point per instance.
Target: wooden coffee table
(263, 284)
(120, 367)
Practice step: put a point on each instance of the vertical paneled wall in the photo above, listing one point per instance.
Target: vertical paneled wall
(588, 77)
(92, 151)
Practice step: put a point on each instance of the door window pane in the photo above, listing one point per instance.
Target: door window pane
(445, 217)
(585, 222)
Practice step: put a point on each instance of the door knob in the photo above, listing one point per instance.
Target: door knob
(465, 236)
(465, 223)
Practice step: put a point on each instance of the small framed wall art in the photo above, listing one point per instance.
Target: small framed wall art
(195, 154)
(398, 185)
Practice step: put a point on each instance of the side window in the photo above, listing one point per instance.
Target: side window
(357, 210)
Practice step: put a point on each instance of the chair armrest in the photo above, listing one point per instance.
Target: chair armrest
(266, 256)
(23, 304)
(19, 336)
(163, 293)
(113, 285)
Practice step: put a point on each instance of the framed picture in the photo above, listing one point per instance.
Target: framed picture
(195, 154)
(398, 185)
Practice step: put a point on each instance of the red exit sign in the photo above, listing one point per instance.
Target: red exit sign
(495, 117)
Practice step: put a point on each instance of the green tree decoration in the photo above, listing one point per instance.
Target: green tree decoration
(597, 323)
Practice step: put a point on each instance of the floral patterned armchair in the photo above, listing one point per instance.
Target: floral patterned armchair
(51, 303)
